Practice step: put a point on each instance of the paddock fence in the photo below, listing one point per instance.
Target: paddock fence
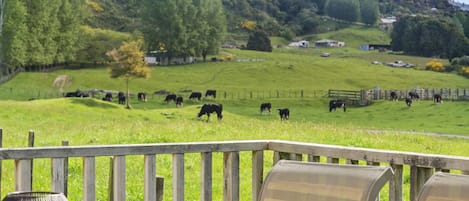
(355, 97)
(420, 166)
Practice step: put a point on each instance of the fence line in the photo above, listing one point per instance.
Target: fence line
(358, 96)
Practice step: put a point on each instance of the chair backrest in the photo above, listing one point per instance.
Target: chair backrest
(445, 187)
(35, 196)
(301, 181)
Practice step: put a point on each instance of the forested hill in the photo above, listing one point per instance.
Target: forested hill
(278, 17)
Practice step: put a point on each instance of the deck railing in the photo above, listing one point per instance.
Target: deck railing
(421, 166)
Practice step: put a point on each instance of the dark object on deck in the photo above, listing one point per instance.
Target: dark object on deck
(35, 196)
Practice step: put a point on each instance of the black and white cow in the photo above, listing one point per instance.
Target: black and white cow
(121, 97)
(169, 98)
(408, 101)
(108, 97)
(77, 93)
(179, 101)
(437, 98)
(266, 107)
(414, 95)
(394, 96)
(211, 92)
(142, 96)
(209, 108)
(284, 113)
(195, 95)
(334, 104)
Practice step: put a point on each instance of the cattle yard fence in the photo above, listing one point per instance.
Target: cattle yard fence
(419, 166)
(357, 97)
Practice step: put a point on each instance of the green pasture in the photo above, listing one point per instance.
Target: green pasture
(90, 121)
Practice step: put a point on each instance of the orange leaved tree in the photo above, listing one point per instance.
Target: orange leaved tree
(129, 63)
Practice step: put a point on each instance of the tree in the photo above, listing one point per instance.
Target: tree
(70, 17)
(129, 63)
(259, 40)
(347, 10)
(369, 11)
(164, 28)
(13, 44)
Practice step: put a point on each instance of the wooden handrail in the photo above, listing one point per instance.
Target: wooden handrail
(421, 165)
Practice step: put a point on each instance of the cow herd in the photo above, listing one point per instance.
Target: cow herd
(411, 96)
(209, 108)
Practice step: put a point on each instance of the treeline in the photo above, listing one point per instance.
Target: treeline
(36, 34)
(429, 37)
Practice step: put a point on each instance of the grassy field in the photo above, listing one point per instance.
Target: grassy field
(383, 125)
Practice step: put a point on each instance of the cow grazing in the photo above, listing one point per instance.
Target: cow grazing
(408, 101)
(266, 107)
(211, 92)
(108, 97)
(209, 108)
(334, 104)
(394, 96)
(414, 95)
(284, 113)
(142, 96)
(437, 98)
(121, 97)
(169, 98)
(179, 101)
(195, 95)
(77, 93)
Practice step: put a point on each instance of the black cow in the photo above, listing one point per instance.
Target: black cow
(209, 108)
(179, 101)
(77, 93)
(108, 97)
(414, 95)
(334, 104)
(437, 98)
(284, 113)
(121, 97)
(408, 101)
(394, 96)
(142, 96)
(195, 95)
(266, 107)
(211, 92)
(170, 97)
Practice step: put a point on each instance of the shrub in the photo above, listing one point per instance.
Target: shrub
(465, 71)
(435, 65)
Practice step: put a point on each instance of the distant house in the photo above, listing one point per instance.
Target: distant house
(161, 58)
(329, 43)
(301, 43)
(380, 47)
(386, 24)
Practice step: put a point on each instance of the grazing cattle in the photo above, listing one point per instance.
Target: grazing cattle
(211, 92)
(266, 107)
(334, 104)
(121, 97)
(170, 97)
(394, 96)
(284, 113)
(195, 95)
(408, 101)
(141, 96)
(77, 93)
(209, 108)
(108, 97)
(414, 95)
(179, 101)
(437, 98)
